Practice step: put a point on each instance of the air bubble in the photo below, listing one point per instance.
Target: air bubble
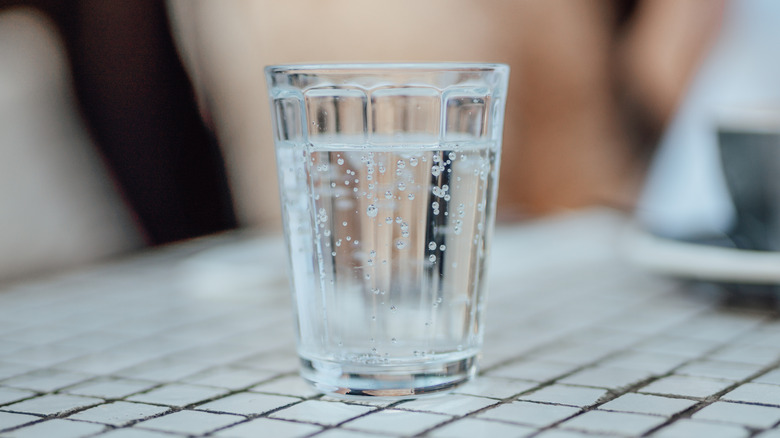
(443, 247)
(371, 210)
(344, 224)
(432, 245)
(333, 253)
(400, 244)
(340, 161)
(401, 186)
(413, 161)
(388, 194)
(388, 220)
(393, 308)
(457, 228)
(372, 254)
(411, 196)
(322, 216)
(453, 156)
(432, 258)
(394, 340)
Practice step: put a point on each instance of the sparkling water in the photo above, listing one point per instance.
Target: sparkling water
(388, 248)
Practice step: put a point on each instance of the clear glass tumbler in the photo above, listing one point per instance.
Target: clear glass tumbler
(388, 177)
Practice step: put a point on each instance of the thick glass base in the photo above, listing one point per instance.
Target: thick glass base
(391, 381)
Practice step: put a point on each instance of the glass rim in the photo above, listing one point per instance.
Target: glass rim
(432, 67)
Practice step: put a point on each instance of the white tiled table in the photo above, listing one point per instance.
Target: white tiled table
(197, 340)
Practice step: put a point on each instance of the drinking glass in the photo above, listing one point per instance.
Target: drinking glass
(388, 177)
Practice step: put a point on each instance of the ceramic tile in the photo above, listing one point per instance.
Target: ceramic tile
(690, 428)
(10, 419)
(529, 413)
(110, 388)
(738, 413)
(607, 377)
(248, 403)
(647, 404)
(118, 413)
(321, 412)
(10, 395)
(399, 422)
(472, 428)
(57, 428)
(261, 427)
(178, 395)
(287, 385)
(566, 395)
(452, 404)
(755, 393)
(190, 422)
(688, 386)
(619, 423)
(52, 404)
(495, 387)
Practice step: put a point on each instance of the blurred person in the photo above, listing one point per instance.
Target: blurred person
(102, 148)
(58, 205)
(593, 83)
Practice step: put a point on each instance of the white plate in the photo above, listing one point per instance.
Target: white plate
(699, 261)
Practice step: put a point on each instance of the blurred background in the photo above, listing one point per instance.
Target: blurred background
(129, 124)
